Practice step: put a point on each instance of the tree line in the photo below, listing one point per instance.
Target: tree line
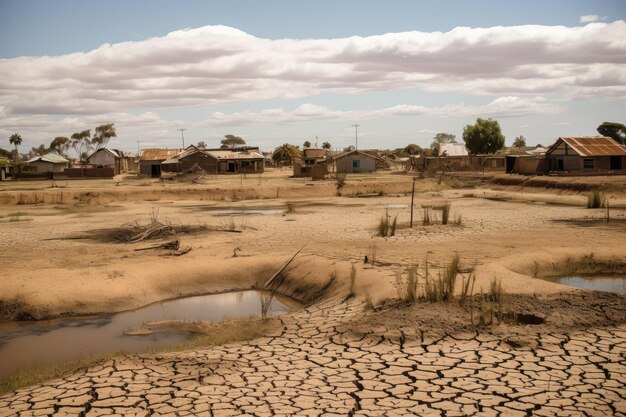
(83, 143)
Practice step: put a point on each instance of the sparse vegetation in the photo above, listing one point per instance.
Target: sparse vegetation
(369, 303)
(596, 199)
(386, 226)
(353, 274)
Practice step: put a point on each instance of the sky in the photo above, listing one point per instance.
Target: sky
(278, 72)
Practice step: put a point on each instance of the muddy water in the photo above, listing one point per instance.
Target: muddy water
(608, 283)
(25, 344)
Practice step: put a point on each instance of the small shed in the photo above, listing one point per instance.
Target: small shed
(355, 162)
(526, 164)
(586, 155)
(150, 161)
(50, 162)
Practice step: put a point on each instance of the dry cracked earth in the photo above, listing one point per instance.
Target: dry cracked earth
(309, 367)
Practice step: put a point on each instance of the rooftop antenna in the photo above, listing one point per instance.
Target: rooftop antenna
(356, 136)
(182, 134)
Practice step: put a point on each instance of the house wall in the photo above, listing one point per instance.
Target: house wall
(241, 166)
(205, 162)
(345, 164)
(43, 166)
(103, 158)
(145, 167)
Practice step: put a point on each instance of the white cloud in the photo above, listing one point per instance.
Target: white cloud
(589, 18)
(502, 107)
(217, 64)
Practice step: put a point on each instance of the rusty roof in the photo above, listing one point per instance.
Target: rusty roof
(159, 154)
(593, 146)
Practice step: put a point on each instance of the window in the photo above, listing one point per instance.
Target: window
(356, 163)
(588, 163)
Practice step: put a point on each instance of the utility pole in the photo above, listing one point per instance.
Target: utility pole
(182, 134)
(356, 136)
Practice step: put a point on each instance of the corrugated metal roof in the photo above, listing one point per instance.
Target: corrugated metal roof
(593, 146)
(50, 157)
(344, 154)
(233, 154)
(157, 154)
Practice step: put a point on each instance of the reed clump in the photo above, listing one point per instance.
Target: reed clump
(386, 226)
(596, 199)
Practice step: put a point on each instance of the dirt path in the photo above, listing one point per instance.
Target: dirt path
(310, 367)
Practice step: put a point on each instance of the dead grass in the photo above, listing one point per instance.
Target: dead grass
(584, 265)
(596, 199)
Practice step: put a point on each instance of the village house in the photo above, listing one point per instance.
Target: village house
(355, 162)
(151, 158)
(121, 162)
(242, 160)
(586, 155)
(50, 162)
(191, 159)
(312, 164)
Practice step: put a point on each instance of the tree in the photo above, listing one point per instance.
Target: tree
(60, 145)
(614, 130)
(285, 153)
(483, 137)
(16, 140)
(231, 141)
(519, 141)
(306, 144)
(102, 135)
(326, 145)
(81, 144)
(413, 149)
(40, 150)
(441, 138)
(201, 145)
(349, 148)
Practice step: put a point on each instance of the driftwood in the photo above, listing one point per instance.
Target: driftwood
(172, 245)
(273, 277)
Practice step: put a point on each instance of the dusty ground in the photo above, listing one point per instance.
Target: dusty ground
(332, 357)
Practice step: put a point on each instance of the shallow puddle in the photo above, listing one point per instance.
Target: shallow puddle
(608, 283)
(25, 344)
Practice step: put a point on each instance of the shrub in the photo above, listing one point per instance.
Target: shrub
(596, 199)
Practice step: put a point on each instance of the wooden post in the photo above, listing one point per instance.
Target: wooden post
(608, 213)
(412, 198)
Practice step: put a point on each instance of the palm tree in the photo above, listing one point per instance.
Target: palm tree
(285, 153)
(16, 140)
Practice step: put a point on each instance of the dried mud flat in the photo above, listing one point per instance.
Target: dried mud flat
(333, 358)
(312, 367)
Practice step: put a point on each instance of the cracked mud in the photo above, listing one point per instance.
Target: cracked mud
(313, 367)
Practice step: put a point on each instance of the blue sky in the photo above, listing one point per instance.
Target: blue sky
(295, 70)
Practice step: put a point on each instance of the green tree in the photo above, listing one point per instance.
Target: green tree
(519, 141)
(16, 140)
(231, 141)
(413, 149)
(60, 145)
(614, 130)
(81, 143)
(285, 153)
(201, 145)
(349, 148)
(483, 137)
(439, 139)
(326, 145)
(102, 135)
(306, 144)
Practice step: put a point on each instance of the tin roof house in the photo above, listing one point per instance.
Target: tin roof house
(586, 155)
